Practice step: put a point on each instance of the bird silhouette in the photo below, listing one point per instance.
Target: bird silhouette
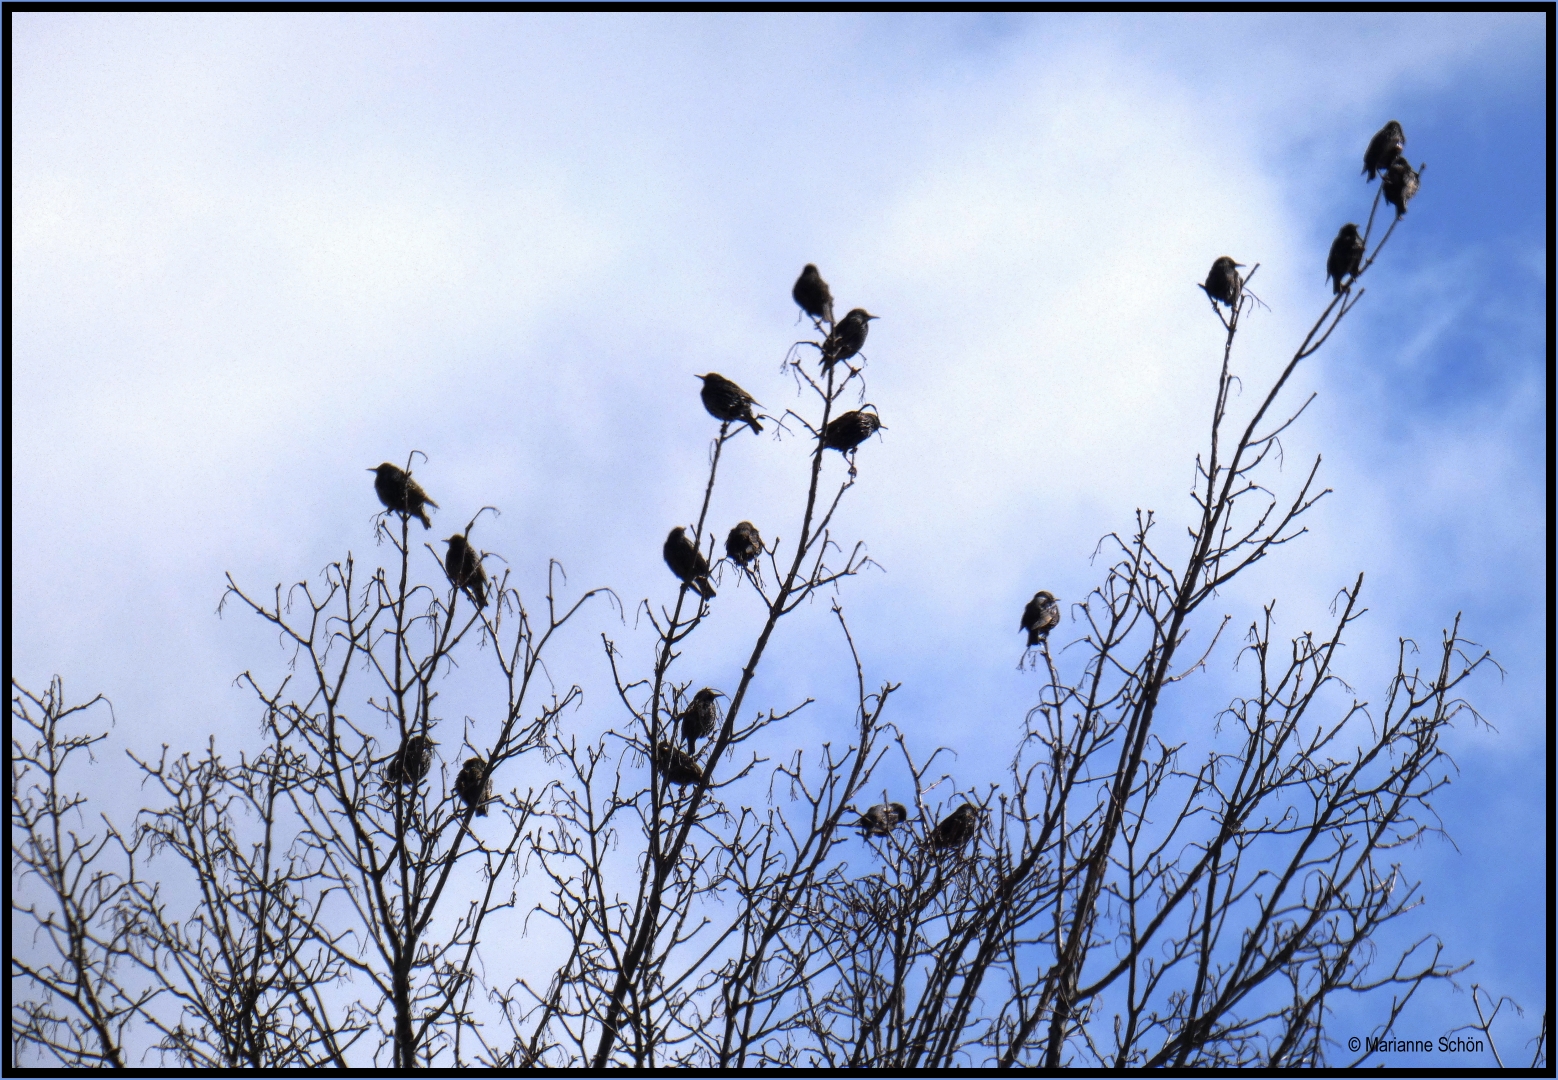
(743, 544)
(727, 401)
(700, 716)
(1346, 256)
(1384, 148)
(1040, 617)
(400, 493)
(1400, 184)
(849, 430)
(677, 766)
(1223, 281)
(687, 562)
(957, 829)
(465, 571)
(812, 293)
(470, 787)
(411, 762)
(847, 337)
(880, 820)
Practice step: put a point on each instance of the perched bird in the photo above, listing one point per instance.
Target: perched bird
(1040, 617)
(401, 493)
(469, 786)
(743, 544)
(847, 337)
(1384, 148)
(465, 571)
(849, 430)
(957, 829)
(687, 562)
(700, 716)
(879, 820)
(1223, 281)
(1346, 256)
(1400, 184)
(678, 767)
(811, 292)
(727, 401)
(411, 762)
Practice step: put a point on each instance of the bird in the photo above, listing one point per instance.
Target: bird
(743, 544)
(469, 786)
(1223, 281)
(879, 820)
(849, 430)
(847, 337)
(687, 562)
(956, 829)
(678, 767)
(1400, 184)
(811, 292)
(400, 493)
(411, 762)
(465, 571)
(1346, 256)
(1384, 148)
(726, 401)
(700, 716)
(1040, 617)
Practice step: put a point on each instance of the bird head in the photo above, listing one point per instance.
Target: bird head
(1225, 262)
(707, 695)
(1349, 230)
(385, 469)
(1045, 596)
(678, 534)
(899, 811)
(457, 540)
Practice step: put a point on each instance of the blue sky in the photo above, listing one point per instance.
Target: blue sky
(254, 254)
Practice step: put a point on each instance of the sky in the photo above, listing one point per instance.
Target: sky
(253, 254)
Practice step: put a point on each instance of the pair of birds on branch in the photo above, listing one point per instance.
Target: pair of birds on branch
(1399, 182)
(847, 336)
(403, 495)
(409, 764)
(743, 544)
(955, 830)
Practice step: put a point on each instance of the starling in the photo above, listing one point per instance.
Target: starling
(849, 430)
(743, 544)
(468, 785)
(401, 493)
(879, 820)
(727, 401)
(1400, 184)
(1384, 148)
(1346, 256)
(678, 767)
(411, 762)
(956, 830)
(700, 716)
(1223, 281)
(847, 337)
(465, 570)
(811, 292)
(1040, 617)
(687, 562)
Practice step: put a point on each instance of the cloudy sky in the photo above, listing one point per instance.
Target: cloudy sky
(254, 254)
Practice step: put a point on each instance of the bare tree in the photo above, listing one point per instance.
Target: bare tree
(1118, 899)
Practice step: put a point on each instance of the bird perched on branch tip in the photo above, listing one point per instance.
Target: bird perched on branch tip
(849, 430)
(1384, 148)
(726, 401)
(1346, 257)
(687, 562)
(812, 293)
(743, 544)
(465, 571)
(847, 337)
(1223, 281)
(1040, 617)
(957, 829)
(880, 820)
(470, 787)
(1400, 184)
(700, 716)
(398, 492)
(411, 762)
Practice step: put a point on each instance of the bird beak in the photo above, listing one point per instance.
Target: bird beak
(720, 693)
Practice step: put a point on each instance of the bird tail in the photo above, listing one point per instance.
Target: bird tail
(478, 594)
(757, 429)
(427, 522)
(704, 588)
(1033, 638)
